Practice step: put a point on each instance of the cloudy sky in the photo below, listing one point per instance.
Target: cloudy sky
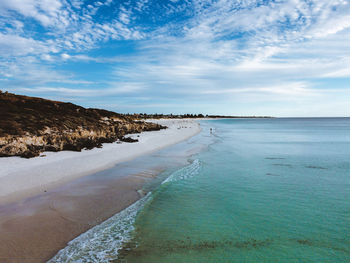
(239, 57)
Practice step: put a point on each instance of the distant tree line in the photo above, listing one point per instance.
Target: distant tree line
(181, 116)
(164, 116)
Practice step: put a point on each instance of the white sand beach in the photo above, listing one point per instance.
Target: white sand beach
(20, 178)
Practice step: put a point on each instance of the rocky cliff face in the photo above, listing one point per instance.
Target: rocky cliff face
(29, 126)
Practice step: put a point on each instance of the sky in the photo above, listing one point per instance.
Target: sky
(280, 58)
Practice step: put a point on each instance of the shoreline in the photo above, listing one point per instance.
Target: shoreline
(22, 178)
(49, 220)
(35, 229)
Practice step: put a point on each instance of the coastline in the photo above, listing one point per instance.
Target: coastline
(21, 178)
(49, 220)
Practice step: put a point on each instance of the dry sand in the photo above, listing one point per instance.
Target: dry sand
(21, 178)
(33, 229)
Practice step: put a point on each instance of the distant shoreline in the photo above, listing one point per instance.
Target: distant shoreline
(193, 116)
(30, 126)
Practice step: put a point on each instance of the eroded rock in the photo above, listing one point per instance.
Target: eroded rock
(30, 126)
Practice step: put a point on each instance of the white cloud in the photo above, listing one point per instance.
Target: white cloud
(46, 57)
(47, 12)
(14, 45)
(224, 49)
(289, 89)
(120, 89)
(342, 73)
(65, 56)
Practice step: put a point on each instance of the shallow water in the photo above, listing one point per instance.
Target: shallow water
(266, 190)
(90, 198)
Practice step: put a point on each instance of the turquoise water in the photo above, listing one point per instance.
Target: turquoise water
(265, 190)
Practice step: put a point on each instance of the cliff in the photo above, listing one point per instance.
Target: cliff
(29, 126)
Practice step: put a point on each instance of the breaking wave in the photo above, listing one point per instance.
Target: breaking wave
(102, 242)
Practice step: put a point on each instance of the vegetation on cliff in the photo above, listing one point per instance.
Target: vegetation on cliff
(29, 126)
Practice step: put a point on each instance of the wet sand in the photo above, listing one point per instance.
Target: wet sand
(35, 229)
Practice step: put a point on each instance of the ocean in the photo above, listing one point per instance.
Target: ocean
(263, 190)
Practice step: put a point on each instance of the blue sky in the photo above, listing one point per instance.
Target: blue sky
(243, 57)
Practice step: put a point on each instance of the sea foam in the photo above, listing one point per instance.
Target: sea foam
(185, 172)
(102, 242)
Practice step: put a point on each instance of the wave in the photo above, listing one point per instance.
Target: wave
(185, 172)
(102, 242)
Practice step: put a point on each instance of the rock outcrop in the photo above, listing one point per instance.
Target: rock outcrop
(29, 126)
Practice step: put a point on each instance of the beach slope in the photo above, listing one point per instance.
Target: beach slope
(21, 178)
